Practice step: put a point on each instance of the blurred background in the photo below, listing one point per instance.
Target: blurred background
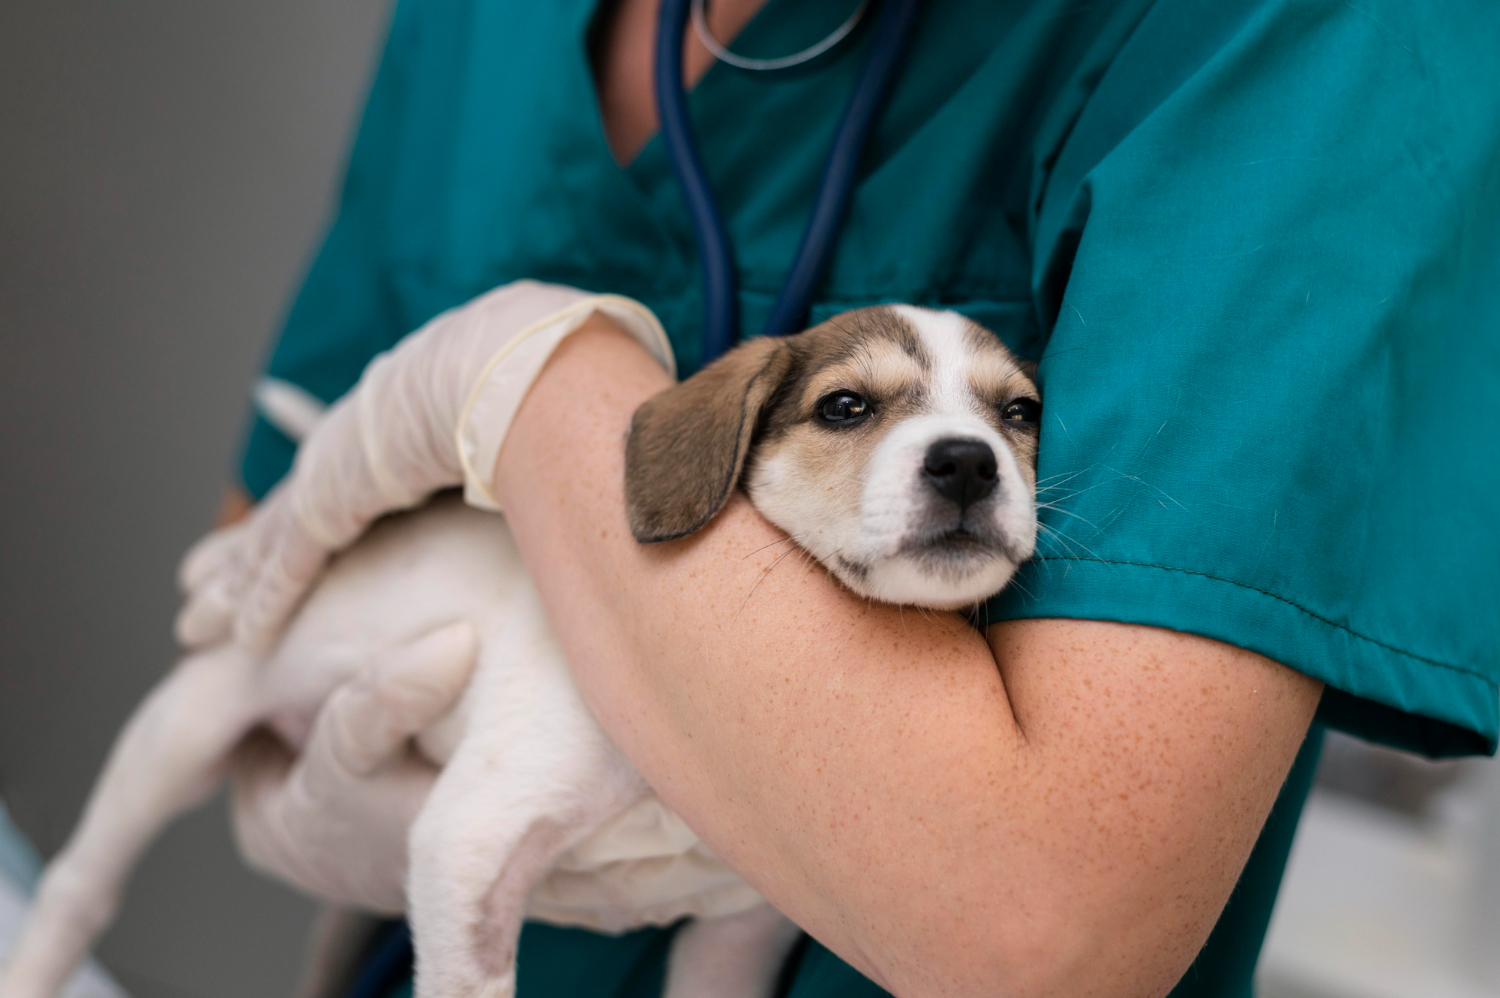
(1393, 890)
(166, 168)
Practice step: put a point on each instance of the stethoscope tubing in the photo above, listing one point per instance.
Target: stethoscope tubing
(841, 171)
(715, 252)
(893, 29)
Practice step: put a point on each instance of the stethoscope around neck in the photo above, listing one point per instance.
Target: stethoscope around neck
(893, 27)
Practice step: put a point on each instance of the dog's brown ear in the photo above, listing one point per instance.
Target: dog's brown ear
(688, 445)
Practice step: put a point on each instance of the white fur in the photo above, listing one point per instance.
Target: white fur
(531, 779)
(895, 499)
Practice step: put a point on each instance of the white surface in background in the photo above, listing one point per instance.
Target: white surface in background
(18, 861)
(1376, 905)
(1484, 833)
(90, 980)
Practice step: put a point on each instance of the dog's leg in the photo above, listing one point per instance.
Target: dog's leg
(477, 850)
(532, 776)
(169, 757)
(734, 956)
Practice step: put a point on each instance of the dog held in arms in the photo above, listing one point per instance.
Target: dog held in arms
(895, 445)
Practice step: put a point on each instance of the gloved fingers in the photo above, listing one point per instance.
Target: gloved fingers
(287, 832)
(309, 822)
(208, 615)
(211, 576)
(287, 571)
(367, 722)
(209, 553)
(382, 804)
(221, 570)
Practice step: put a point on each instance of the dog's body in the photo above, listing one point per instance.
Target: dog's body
(528, 774)
(878, 441)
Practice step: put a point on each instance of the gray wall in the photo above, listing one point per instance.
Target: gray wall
(165, 168)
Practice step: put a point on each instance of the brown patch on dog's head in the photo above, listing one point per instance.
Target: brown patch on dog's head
(687, 446)
(844, 437)
(869, 350)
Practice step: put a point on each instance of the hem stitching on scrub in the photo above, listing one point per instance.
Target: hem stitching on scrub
(1282, 599)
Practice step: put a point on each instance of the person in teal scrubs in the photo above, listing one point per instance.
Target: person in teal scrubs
(1254, 246)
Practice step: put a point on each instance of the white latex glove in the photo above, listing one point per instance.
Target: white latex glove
(333, 821)
(431, 413)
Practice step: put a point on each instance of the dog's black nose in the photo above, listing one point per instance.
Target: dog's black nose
(961, 469)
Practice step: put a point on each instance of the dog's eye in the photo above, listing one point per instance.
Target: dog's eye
(1022, 410)
(843, 408)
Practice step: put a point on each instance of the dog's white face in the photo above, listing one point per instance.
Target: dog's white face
(897, 445)
(903, 458)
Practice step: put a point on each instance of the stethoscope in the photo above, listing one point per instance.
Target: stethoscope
(715, 253)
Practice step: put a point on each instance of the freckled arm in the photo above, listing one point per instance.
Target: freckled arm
(1061, 809)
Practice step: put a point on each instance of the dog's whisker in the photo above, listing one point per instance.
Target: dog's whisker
(765, 573)
(1069, 474)
(1058, 538)
(1069, 543)
(1141, 481)
(1067, 512)
(1083, 491)
(1019, 585)
(808, 561)
(758, 550)
(836, 324)
(1057, 488)
(1057, 535)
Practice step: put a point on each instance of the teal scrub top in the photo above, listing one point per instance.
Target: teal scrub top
(1253, 244)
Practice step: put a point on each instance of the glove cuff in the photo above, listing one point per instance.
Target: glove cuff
(507, 376)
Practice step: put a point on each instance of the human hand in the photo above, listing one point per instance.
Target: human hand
(431, 413)
(333, 821)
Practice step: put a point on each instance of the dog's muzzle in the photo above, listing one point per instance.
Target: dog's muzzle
(962, 470)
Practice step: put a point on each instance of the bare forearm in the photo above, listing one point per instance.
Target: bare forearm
(866, 766)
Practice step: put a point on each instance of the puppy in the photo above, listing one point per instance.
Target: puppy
(896, 445)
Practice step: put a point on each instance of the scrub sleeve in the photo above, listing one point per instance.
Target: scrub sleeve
(1278, 232)
(1254, 244)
